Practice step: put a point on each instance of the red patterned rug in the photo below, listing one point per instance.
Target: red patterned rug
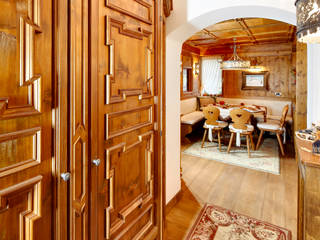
(216, 223)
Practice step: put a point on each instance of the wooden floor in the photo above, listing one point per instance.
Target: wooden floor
(264, 196)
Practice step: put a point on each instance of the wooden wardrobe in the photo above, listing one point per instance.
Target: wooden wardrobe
(81, 149)
(308, 189)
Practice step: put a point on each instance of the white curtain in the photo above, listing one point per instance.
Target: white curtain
(211, 76)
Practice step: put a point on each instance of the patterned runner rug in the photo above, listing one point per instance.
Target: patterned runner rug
(265, 159)
(216, 223)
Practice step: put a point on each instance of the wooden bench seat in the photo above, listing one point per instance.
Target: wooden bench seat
(191, 118)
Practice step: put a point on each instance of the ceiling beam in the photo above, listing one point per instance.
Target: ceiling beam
(245, 42)
(257, 36)
(229, 41)
(210, 33)
(267, 45)
(199, 39)
(291, 33)
(246, 28)
(252, 27)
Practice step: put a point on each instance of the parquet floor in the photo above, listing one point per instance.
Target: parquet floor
(264, 196)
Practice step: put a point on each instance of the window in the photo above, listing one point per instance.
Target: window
(211, 76)
(187, 80)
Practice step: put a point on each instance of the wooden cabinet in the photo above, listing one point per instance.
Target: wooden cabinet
(26, 200)
(80, 119)
(128, 197)
(309, 191)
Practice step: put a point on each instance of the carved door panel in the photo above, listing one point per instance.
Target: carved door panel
(25, 119)
(126, 177)
(78, 118)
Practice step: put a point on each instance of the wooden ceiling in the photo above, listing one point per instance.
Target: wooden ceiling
(247, 31)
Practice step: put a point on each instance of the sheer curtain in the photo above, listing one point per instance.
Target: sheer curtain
(211, 76)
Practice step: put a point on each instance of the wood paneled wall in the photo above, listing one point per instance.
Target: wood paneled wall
(278, 60)
(281, 78)
(302, 87)
(189, 58)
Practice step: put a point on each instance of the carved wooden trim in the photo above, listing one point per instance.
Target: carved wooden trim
(32, 188)
(110, 77)
(36, 133)
(142, 199)
(79, 202)
(125, 130)
(28, 27)
(144, 230)
(167, 7)
(131, 14)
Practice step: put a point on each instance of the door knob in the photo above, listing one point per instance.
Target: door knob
(65, 176)
(96, 162)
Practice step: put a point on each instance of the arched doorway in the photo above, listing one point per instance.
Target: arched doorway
(182, 25)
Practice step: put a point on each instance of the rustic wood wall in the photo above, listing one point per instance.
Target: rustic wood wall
(281, 79)
(302, 87)
(278, 59)
(189, 58)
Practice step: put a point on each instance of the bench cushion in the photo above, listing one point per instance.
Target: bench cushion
(271, 125)
(205, 101)
(188, 105)
(271, 117)
(192, 118)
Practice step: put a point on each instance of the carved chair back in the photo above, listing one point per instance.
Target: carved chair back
(211, 115)
(240, 118)
(284, 115)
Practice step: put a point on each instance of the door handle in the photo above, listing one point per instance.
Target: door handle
(96, 162)
(65, 176)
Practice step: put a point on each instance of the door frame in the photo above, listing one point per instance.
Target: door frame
(60, 116)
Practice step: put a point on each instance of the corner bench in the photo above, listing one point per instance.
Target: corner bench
(190, 117)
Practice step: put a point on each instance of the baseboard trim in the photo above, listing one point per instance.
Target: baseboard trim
(173, 201)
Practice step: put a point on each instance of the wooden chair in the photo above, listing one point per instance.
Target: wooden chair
(212, 124)
(240, 119)
(275, 127)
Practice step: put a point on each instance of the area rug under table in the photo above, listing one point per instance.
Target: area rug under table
(216, 223)
(265, 159)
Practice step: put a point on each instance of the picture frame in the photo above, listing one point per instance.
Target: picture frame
(255, 81)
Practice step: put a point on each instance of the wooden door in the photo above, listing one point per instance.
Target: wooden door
(72, 119)
(128, 177)
(25, 119)
(78, 118)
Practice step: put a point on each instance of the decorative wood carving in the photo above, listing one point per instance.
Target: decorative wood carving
(119, 151)
(32, 189)
(118, 123)
(124, 89)
(128, 79)
(78, 114)
(143, 9)
(26, 159)
(167, 7)
(147, 225)
(9, 142)
(29, 26)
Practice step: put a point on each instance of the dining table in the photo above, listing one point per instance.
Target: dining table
(254, 109)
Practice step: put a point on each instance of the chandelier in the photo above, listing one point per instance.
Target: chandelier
(308, 21)
(235, 62)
